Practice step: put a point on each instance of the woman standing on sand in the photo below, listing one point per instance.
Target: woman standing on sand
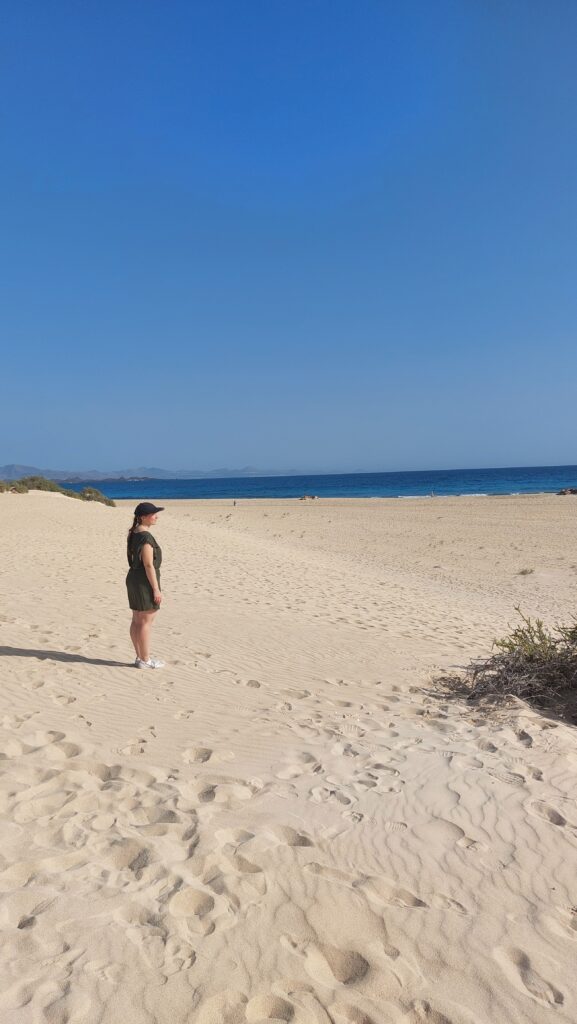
(143, 581)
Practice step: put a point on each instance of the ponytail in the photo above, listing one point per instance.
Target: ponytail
(135, 523)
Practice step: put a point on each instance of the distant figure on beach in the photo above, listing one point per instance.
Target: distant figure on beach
(143, 581)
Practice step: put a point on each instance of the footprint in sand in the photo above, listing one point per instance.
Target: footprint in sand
(423, 1013)
(547, 813)
(342, 749)
(284, 835)
(303, 763)
(84, 720)
(63, 698)
(196, 754)
(121, 854)
(62, 750)
(526, 978)
(446, 834)
(376, 890)
(355, 816)
(22, 909)
(511, 778)
(327, 964)
(233, 876)
(233, 836)
(242, 865)
(331, 794)
(252, 684)
(524, 738)
(441, 902)
(268, 1007)
(227, 792)
(193, 906)
(381, 891)
(395, 826)
(43, 737)
(136, 745)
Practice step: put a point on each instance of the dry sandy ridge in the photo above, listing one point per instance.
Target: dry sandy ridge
(284, 824)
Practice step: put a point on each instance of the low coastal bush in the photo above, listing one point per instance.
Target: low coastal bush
(92, 494)
(534, 663)
(41, 483)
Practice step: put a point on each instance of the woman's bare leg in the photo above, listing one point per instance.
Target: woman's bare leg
(145, 628)
(134, 634)
(140, 628)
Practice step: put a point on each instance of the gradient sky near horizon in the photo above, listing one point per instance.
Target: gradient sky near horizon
(298, 234)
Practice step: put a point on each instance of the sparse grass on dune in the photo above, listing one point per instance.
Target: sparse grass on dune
(41, 483)
(534, 663)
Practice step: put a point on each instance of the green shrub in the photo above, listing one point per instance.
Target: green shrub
(93, 494)
(41, 483)
(533, 663)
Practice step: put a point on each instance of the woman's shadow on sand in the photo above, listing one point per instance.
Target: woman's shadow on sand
(23, 652)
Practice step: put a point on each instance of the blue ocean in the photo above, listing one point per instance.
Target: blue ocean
(523, 480)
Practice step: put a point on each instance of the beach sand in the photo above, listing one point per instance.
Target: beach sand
(284, 824)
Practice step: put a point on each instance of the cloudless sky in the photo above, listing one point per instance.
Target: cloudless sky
(310, 234)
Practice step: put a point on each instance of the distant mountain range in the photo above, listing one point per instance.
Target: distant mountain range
(16, 472)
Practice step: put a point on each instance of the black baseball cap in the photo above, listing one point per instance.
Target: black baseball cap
(146, 508)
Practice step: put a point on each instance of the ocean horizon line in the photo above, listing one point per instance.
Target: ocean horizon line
(149, 473)
(401, 484)
(355, 472)
(209, 478)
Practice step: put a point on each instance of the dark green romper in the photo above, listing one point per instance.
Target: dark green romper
(139, 589)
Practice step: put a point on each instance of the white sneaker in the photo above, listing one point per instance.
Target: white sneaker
(151, 663)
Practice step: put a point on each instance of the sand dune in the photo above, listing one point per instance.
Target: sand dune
(285, 824)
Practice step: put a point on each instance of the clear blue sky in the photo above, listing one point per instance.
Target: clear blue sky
(311, 234)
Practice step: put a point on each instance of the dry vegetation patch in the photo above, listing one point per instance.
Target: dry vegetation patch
(533, 663)
(41, 483)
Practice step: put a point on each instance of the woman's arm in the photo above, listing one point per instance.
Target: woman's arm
(147, 556)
